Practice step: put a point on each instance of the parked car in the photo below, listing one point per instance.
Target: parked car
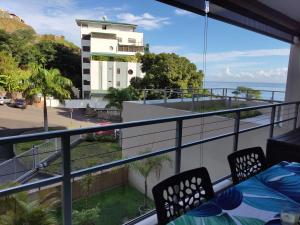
(20, 103)
(4, 100)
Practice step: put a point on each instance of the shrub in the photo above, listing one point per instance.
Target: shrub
(86, 216)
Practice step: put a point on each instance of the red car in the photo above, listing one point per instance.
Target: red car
(107, 132)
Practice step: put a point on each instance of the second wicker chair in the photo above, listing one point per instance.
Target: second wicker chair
(181, 193)
(246, 163)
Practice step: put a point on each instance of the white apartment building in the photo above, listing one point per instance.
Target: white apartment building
(102, 45)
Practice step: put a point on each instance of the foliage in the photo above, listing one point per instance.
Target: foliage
(86, 184)
(169, 70)
(21, 209)
(248, 92)
(12, 78)
(146, 167)
(48, 83)
(86, 216)
(26, 48)
(117, 96)
(117, 58)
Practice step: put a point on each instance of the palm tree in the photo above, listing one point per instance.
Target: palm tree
(146, 167)
(116, 97)
(20, 209)
(48, 83)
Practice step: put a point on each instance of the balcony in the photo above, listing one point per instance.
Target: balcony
(131, 48)
(189, 140)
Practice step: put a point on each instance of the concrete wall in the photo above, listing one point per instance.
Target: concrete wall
(212, 155)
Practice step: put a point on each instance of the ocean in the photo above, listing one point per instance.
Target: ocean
(257, 86)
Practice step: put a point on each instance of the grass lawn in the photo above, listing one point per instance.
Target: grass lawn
(117, 205)
(222, 106)
(25, 146)
(87, 154)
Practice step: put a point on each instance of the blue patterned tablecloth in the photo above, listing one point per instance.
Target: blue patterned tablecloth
(256, 201)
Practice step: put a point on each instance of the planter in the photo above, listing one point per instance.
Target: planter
(143, 210)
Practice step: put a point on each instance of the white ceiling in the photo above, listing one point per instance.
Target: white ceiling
(290, 8)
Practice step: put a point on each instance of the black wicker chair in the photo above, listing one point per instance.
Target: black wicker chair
(180, 193)
(246, 163)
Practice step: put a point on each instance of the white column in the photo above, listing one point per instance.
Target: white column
(293, 79)
(293, 75)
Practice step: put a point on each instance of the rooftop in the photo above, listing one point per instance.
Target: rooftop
(104, 22)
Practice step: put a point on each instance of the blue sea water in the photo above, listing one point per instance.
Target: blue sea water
(257, 86)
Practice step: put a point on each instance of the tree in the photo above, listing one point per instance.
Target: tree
(12, 78)
(19, 208)
(48, 83)
(116, 96)
(146, 167)
(249, 92)
(169, 71)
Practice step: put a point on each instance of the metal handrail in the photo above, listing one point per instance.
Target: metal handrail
(68, 175)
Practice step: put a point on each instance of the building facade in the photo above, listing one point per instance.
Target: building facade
(108, 52)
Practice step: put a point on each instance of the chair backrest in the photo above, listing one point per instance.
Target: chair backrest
(180, 193)
(246, 163)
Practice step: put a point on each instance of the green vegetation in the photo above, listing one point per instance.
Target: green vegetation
(90, 153)
(222, 106)
(20, 209)
(168, 71)
(248, 93)
(116, 96)
(117, 205)
(117, 58)
(26, 47)
(48, 83)
(146, 167)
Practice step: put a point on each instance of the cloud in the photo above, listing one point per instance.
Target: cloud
(165, 48)
(233, 55)
(56, 16)
(277, 75)
(145, 21)
(181, 12)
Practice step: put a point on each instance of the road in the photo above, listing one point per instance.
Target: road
(32, 117)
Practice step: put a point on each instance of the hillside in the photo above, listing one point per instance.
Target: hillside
(11, 25)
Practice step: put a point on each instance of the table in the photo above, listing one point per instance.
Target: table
(256, 201)
(284, 147)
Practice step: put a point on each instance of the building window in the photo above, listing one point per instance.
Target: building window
(104, 27)
(86, 60)
(120, 39)
(131, 40)
(86, 48)
(86, 37)
(86, 82)
(86, 94)
(86, 71)
(118, 70)
(130, 71)
(118, 84)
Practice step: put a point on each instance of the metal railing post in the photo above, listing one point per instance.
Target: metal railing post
(67, 186)
(296, 115)
(178, 146)
(272, 98)
(272, 120)
(236, 130)
(278, 115)
(165, 96)
(211, 94)
(182, 95)
(145, 96)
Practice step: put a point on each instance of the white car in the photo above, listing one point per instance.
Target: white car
(4, 100)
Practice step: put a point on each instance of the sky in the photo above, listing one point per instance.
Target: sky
(233, 54)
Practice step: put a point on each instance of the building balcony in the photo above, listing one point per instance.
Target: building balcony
(107, 155)
(130, 48)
